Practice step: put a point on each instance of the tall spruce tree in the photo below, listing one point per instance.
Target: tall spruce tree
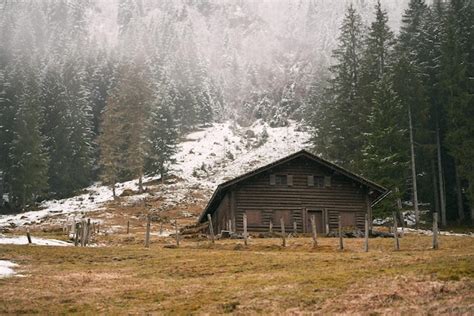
(163, 134)
(341, 116)
(408, 81)
(457, 71)
(28, 175)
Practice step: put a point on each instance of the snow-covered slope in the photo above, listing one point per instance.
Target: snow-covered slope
(204, 159)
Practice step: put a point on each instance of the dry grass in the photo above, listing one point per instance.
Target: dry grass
(230, 278)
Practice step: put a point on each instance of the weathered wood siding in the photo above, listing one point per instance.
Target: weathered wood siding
(256, 193)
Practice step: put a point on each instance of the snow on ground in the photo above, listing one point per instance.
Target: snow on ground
(205, 159)
(224, 151)
(93, 200)
(6, 268)
(429, 232)
(22, 240)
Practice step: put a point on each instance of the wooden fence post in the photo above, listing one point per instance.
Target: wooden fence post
(177, 231)
(230, 225)
(211, 228)
(98, 227)
(88, 232)
(28, 235)
(245, 229)
(283, 234)
(270, 227)
(76, 235)
(366, 233)
(313, 228)
(395, 231)
(148, 228)
(341, 242)
(83, 233)
(435, 230)
(295, 227)
(128, 227)
(73, 228)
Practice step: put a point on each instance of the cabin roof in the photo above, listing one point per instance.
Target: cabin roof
(379, 191)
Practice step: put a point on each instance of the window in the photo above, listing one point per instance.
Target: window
(318, 181)
(281, 179)
(254, 217)
(286, 215)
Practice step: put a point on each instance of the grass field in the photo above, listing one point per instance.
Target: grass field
(227, 277)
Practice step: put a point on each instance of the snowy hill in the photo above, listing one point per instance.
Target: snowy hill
(204, 159)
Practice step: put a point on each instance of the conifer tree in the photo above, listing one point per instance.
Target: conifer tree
(340, 116)
(385, 155)
(457, 71)
(29, 167)
(162, 135)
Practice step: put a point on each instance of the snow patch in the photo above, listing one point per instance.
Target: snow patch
(205, 159)
(430, 233)
(6, 268)
(22, 240)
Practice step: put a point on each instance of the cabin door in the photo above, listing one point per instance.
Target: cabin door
(318, 215)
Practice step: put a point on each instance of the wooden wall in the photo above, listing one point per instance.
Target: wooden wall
(256, 193)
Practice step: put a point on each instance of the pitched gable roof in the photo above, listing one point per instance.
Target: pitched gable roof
(222, 188)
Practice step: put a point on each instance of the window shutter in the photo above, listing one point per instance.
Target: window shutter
(311, 181)
(327, 181)
(272, 179)
(289, 179)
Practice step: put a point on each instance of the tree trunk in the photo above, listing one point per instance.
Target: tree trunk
(435, 187)
(442, 195)
(459, 195)
(413, 170)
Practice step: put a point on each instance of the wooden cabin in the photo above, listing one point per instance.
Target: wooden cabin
(294, 188)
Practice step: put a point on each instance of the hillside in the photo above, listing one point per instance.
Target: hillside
(204, 159)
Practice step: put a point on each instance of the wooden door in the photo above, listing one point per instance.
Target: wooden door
(318, 215)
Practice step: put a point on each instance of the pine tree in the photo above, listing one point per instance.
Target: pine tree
(340, 117)
(457, 71)
(54, 101)
(385, 156)
(29, 159)
(378, 54)
(162, 135)
(408, 80)
(123, 141)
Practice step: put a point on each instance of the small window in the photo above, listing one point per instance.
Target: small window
(254, 217)
(281, 179)
(311, 181)
(319, 182)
